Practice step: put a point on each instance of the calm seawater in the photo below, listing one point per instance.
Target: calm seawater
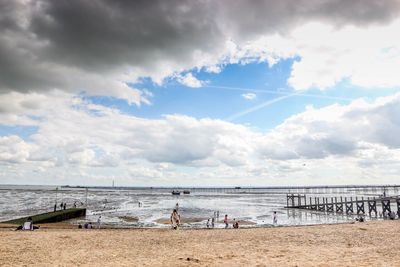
(120, 207)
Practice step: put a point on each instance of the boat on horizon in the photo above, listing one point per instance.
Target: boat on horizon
(176, 193)
(186, 192)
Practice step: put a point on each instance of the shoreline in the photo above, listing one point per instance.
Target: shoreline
(164, 225)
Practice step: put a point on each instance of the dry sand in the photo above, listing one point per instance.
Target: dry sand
(359, 244)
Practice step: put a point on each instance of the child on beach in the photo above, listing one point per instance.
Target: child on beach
(235, 224)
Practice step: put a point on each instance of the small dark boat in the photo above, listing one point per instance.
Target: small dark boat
(186, 192)
(176, 193)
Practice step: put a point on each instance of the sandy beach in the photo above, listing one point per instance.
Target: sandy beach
(359, 244)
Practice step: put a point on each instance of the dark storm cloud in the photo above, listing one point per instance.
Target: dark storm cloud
(59, 44)
(101, 34)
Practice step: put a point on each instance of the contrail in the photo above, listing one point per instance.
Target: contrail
(260, 106)
(277, 92)
(285, 95)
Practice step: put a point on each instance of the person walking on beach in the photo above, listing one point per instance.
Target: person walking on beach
(65, 206)
(226, 221)
(208, 223)
(175, 219)
(212, 222)
(275, 218)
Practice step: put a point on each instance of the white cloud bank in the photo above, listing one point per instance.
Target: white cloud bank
(79, 138)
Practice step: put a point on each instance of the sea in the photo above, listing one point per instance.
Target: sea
(119, 207)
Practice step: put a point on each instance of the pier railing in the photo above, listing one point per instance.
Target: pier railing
(347, 205)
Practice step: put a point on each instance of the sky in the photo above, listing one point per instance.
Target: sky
(199, 93)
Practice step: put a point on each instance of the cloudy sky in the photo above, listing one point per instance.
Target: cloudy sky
(199, 93)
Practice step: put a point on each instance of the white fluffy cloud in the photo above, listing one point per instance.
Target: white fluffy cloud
(13, 149)
(336, 130)
(190, 81)
(367, 57)
(249, 96)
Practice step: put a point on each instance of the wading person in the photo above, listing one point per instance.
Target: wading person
(275, 218)
(175, 219)
(99, 222)
(226, 221)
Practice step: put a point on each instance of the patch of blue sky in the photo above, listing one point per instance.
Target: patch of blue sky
(23, 132)
(207, 101)
(221, 96)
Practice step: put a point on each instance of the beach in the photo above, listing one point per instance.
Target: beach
(353, 244)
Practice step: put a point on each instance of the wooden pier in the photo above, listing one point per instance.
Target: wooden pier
(315, 189)
(344, 205)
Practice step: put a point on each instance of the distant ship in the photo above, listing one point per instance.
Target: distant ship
(186, 192)
(177, 193)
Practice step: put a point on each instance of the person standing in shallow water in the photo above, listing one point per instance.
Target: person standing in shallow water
(226, 221)
(175, 219)
(275, 218)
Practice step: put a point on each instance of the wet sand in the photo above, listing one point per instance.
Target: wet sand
(359, 244)
(167, 221)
